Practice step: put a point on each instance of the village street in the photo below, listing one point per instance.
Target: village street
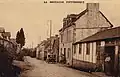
(43, 69)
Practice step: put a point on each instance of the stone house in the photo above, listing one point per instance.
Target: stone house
(9, 46)
(55, 48)
(45, 48)
(49, 47)
(16, 46)
(6, 35)
(2, 30)
(92, 52)
(40, 50)
(79, 26)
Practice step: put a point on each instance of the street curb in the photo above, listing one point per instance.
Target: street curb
(84, 73)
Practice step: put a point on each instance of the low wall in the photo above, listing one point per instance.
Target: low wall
(83, 65)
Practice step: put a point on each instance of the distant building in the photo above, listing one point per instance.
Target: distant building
(55, 48)
(9, 46)
(16, 46)
(6, 35)
(2, 30)
(7, 43)
(40, 51)
(79, 26)
(47, 47)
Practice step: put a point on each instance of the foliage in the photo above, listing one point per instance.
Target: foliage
(20, 37)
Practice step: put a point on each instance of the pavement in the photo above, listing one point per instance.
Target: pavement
(97, 74)
(43, 69)
(100, 74)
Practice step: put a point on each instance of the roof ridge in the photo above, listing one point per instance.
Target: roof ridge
(104, 35)
(106, 19)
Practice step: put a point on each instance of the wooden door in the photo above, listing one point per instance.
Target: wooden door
(109, 64)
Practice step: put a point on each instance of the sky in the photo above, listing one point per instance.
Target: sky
(34, 15)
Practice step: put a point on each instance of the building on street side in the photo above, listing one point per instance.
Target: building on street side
(79, 26)
(40, 51)
(55, 48)
(99, 51)
(48, 47)
(16, 46)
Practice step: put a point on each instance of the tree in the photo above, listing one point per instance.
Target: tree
(20, 37)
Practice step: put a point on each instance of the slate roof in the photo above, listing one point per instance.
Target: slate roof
(13, 40)
(102, 35)
(77, 17)
(7, 34)
(81, 14)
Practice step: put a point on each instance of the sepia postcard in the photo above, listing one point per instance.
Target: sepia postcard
(59, 38)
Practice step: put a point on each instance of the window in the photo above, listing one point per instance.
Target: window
(69, 36)
(98, 44)
(87, 48)
(80, 48)
(65, 52)
(74, 49)
(68, 53)
(61, 50)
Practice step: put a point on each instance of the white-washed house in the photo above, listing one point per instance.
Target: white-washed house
(91, 53)
(40, 50)
(79, 26)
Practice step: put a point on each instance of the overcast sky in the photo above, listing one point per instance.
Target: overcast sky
(33, 16)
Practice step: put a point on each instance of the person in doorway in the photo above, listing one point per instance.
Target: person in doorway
(107, 59)
(108, 64)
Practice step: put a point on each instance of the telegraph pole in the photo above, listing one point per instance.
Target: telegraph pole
(50, 32)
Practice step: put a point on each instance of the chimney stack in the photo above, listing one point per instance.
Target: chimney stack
(92, 16)
(93, 6)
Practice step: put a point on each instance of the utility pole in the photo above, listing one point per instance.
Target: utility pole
(50, 33)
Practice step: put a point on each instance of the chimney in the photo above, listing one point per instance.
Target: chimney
(93, 6)
(92, 16)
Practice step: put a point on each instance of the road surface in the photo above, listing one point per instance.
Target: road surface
(43, 69)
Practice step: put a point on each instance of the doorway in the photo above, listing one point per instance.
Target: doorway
(65, 55)
(109, 60)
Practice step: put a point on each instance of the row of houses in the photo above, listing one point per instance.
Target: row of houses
(49, 46)
(9, 43)
(87, 41)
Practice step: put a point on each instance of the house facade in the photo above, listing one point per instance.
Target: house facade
(6, 35)
(65, 46)
(79, 26)
(50, 48)
(99, 51)
(40, 53)
(2, 30)
(16, 46)
(55, 48)
(46, 47)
